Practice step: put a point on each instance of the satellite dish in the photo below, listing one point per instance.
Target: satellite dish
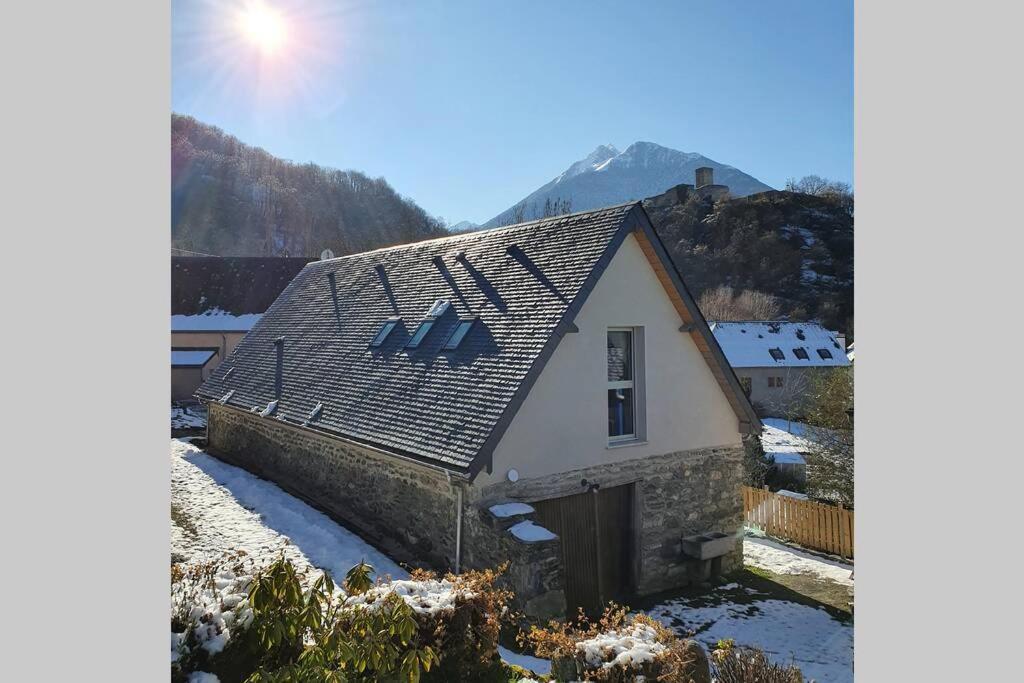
(326, 254)
(513, 475)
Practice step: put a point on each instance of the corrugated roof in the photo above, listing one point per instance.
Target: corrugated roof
(760, 343)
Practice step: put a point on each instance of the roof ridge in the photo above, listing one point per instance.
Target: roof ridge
(477, 233)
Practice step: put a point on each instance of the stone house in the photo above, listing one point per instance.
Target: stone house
(214, 302)
(774, 360)
(545, 394)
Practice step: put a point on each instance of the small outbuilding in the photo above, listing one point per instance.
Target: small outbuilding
(546, 394)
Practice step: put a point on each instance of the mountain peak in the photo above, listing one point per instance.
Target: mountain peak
(606, 177)
(590, 162)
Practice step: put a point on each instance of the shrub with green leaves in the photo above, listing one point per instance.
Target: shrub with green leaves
(301, 628)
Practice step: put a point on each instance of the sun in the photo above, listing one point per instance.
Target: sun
(263, 26)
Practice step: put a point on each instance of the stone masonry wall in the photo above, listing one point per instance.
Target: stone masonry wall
(406, 510)
(679, 494)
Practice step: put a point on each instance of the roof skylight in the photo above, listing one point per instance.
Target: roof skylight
(457, 335)
(384, 331)
(420, 333)
(825, 354)
(777, 354)
(801, 353)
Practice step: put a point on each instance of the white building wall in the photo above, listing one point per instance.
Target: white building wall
(563, 423)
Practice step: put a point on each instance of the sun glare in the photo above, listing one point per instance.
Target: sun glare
(263, 26)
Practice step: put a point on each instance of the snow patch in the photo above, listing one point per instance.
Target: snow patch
(629, 649)
(424, 597)
(505, 510)
(537, 665)
(214, 320)
(782, 559)
(528, 532)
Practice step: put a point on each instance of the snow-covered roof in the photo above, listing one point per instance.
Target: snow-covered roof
(191, 358)
(214, 320)
(763, 343)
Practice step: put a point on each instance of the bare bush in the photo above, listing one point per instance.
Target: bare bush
(722, 303)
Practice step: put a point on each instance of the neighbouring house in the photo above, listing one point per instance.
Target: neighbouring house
(545, 393)
(214, 302)
(774, 360)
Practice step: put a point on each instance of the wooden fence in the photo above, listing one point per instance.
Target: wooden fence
(822, 527)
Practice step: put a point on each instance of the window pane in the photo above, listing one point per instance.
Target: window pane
(384, 332)
(620, 356)
(421, 332)
(620, 412)
(457, 334)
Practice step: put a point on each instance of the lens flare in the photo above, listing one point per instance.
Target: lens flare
(263, 26)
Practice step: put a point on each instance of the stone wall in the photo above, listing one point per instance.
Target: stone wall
(405, 509)
(408, 510)
(678, 494)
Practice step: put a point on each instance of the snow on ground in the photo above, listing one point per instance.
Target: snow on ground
(192, 416)
(784, 440)
(230, 509)
(820, 645)
(225, 508)
(782, 559)
(538, 666)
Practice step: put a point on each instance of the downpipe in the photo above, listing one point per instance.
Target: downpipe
(458, 529)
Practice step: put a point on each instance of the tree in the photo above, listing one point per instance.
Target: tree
(721, 303)
(830, 432)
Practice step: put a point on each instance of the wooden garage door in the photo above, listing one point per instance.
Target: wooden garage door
(596, 532)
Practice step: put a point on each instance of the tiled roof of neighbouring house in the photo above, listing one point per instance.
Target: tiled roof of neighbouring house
(758, 343)
(230, 286)
(521, 284)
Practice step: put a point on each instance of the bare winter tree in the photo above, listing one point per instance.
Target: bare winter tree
(721, 303)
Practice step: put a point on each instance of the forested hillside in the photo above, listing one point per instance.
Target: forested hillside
(793, 246)
(231, 199)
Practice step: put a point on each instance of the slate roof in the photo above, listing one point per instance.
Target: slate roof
(523, 284)
(749, 344)
(234, 285)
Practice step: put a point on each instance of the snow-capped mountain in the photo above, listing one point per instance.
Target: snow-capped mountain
(607, 176)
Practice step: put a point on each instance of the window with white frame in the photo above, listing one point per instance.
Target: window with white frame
(624, 399)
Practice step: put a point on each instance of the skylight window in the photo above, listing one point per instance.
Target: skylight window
(420, 333)
(777, 354)
(825, 354)
(457, 335)
(384, 331)
(801, 353)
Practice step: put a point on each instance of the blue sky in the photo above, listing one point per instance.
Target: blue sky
(466, 107)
